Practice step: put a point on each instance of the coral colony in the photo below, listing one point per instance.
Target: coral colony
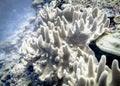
(112, 45)
(59, 47)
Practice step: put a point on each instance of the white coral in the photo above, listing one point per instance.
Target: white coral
(61, 49)
(112, 45)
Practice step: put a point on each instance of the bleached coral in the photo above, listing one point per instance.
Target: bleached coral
(112, 45)
(36, 2)
(100, 74)
(117, 19)
(61, 49)
(76, 18)
(71, 27)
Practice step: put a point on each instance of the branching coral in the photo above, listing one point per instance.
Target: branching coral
(61, 49)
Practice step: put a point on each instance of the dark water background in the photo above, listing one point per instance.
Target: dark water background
(13, 14)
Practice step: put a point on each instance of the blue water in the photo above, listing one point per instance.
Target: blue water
(13, 14)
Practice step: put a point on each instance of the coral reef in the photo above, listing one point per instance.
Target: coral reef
(111, 7)
(112, 45)
(9, 57)
(60, 49)
(55, 50)
(117, 19)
